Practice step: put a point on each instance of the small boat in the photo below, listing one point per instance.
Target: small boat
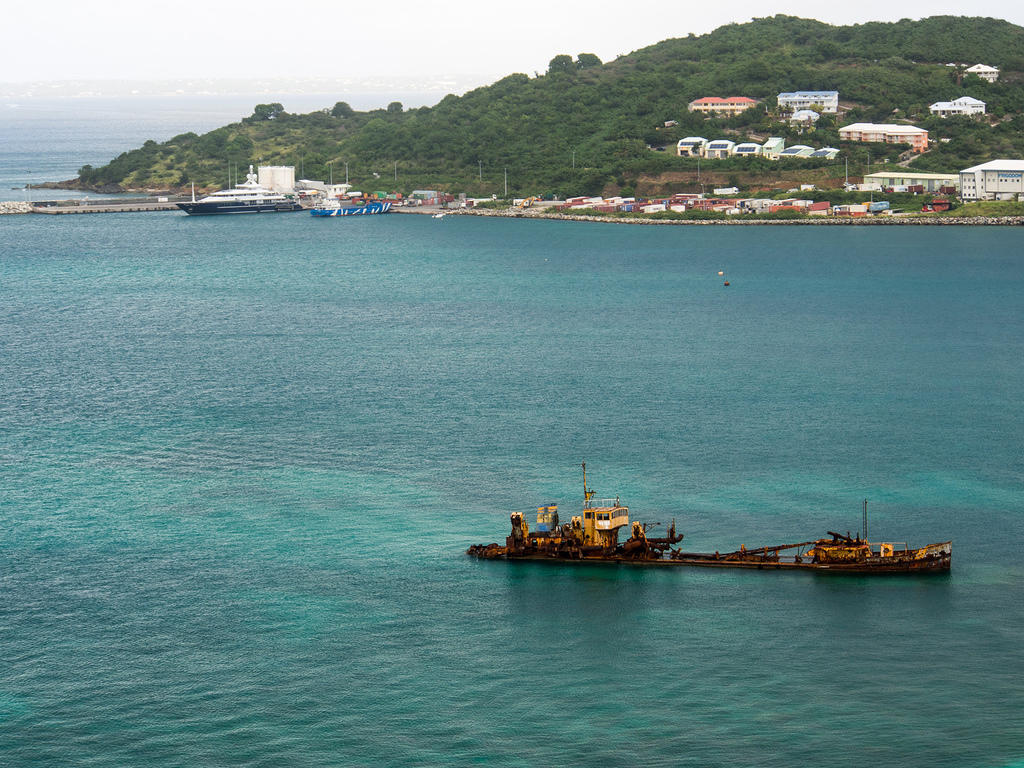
(247, 197)
(593, 536)
(338, 208)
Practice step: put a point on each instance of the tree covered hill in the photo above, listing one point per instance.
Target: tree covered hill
(585, 126)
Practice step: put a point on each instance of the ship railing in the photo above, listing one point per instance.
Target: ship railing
(603, 503)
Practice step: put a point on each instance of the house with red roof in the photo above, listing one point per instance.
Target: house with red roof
(717, 106)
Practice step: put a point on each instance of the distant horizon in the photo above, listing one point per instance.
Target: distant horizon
(338, 89)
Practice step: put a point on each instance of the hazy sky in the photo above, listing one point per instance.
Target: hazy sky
(114, 40)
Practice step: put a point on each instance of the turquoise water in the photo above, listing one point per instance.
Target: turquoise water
(242, 457)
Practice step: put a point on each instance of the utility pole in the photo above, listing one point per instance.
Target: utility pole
(396, 171)
(480, 164)
(574, 159)
(506, 182)
(346, 171)
(330, 167)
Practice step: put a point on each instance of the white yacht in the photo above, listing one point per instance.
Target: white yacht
(247, 197)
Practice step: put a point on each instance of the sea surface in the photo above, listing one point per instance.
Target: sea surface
(241, 459)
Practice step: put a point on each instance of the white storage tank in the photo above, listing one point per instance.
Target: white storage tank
(279, 178)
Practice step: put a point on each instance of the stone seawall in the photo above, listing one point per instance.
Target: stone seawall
(14, 206)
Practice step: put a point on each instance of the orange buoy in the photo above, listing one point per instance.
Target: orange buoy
(726, 282)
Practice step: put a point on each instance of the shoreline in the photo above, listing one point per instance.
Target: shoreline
(826, 221)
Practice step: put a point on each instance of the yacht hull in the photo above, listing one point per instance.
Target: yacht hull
(221, 208)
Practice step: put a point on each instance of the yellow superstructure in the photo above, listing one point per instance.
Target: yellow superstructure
(601, 519)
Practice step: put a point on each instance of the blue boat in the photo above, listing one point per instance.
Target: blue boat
(353, 209)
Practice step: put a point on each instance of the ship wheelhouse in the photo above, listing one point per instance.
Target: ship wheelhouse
(607, 514)
(602, 518)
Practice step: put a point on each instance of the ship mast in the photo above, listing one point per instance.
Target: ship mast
(587, 495)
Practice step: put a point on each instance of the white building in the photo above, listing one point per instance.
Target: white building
(965, 105)
(797, 150)
(994, 180)
(280, 178)
(772, 147)
(932, 182)
(826, 101)
(985, 72)
(691, 146)
(719, 149)
(806, 116)
(827, 153)
(747, 149)
(310, 185)
(337, 190)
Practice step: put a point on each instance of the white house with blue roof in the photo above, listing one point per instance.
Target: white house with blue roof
(719, 149)
(826, 101)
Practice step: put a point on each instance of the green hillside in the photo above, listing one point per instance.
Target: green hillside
(608, 119)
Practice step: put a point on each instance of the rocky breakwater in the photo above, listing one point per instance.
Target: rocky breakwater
(14, 206)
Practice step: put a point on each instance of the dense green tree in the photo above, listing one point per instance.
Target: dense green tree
(606, 115)
(342, 109)
(266, 112)
(561, 63)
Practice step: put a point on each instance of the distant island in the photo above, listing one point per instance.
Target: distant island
(589, 127)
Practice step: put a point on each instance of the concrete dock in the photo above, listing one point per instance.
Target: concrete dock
(59, 207)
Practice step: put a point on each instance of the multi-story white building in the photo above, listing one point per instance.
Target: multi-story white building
(826, 101)
(984, 71)
(994, 180)
(965, 105)
(917, 138)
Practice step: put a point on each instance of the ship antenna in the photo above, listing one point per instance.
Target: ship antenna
(865, 519)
